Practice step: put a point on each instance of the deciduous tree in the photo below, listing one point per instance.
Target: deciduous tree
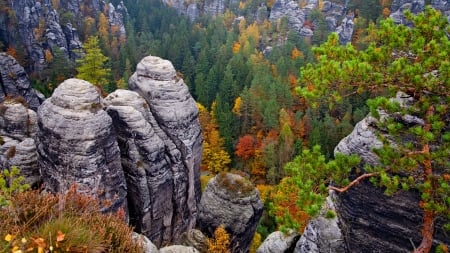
(92, 66)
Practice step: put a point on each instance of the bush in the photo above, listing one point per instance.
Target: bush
(70, 222)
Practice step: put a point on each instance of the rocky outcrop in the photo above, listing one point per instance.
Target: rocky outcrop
(195, 238)
(170, 164)
(399, 6)
(232, 201)
(323, 233)
(17, 146)
(14, 82)
(76, 144)
(289, 9)
(372, 221)
(297, 15)
(41, 27)
(178, 249)
(345, 30)
(278, 242)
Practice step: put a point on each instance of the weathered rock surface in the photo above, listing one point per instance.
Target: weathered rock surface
(17, 146)
(399, 6)
(372, 221)
(14, 82)
(172, 161)
(178, 249)
(296, 16)
(232, 201)
(195, 238)
(41, 28)
(277, 242)
(323, 234)
(147, 245)
(76, 143)
(345, 30)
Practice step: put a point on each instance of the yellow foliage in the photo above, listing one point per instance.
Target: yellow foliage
(296, 53)
(102, 26)
(264, 191)
(214, 157)
(237, 106)
(241, 5)
(236, 47)
(386, 12)
(256, 242)
(48, 56)
(55, 4)
(220, 243)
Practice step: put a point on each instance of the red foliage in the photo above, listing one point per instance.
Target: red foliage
(245, 149)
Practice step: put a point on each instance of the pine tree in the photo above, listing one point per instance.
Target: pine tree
(92, 66)
(415, 61)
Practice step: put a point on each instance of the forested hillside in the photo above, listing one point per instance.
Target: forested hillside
(270, 89)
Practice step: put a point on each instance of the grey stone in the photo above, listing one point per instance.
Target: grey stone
(147, 245)
(399, 6)
(174, 112)
(232, 201)
(277, 242)
(323, 234)
(178, 249)
(76, 144)
(195, 238)
(345, 30)
(15, 82)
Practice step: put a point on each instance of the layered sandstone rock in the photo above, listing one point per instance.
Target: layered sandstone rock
(76, 144)
(17, 146)
(14, 82)
(232, 201)
(175, 112)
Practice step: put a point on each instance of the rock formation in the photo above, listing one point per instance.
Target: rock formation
(399, 6)
(232, 201)
(372, 221)
(42, 27)
(278, 242)
(195, 238)
(161, 145)
(17, 146)
(76, 144)
(14, 82)
(323, 233)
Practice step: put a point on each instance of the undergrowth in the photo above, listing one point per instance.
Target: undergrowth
(32, 221)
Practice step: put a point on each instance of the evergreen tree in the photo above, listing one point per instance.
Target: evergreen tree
(415, 61)
(92, 66)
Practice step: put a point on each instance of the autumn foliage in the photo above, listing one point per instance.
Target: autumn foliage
(220, 243)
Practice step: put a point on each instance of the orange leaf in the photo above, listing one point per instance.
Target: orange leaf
(60, 236)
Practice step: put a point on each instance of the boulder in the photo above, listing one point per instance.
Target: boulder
(232, 201)
(76, 144)
(147, 245)
(278, 242)
(195, 238)
(178, 249)
(323, 234)
(173, 115)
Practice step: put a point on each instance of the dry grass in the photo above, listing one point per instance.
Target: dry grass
(71, 223)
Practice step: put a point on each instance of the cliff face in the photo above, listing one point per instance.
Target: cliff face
(14, 82)
(370, 220)
(416, 6)
(296, 16)
(38, 27)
